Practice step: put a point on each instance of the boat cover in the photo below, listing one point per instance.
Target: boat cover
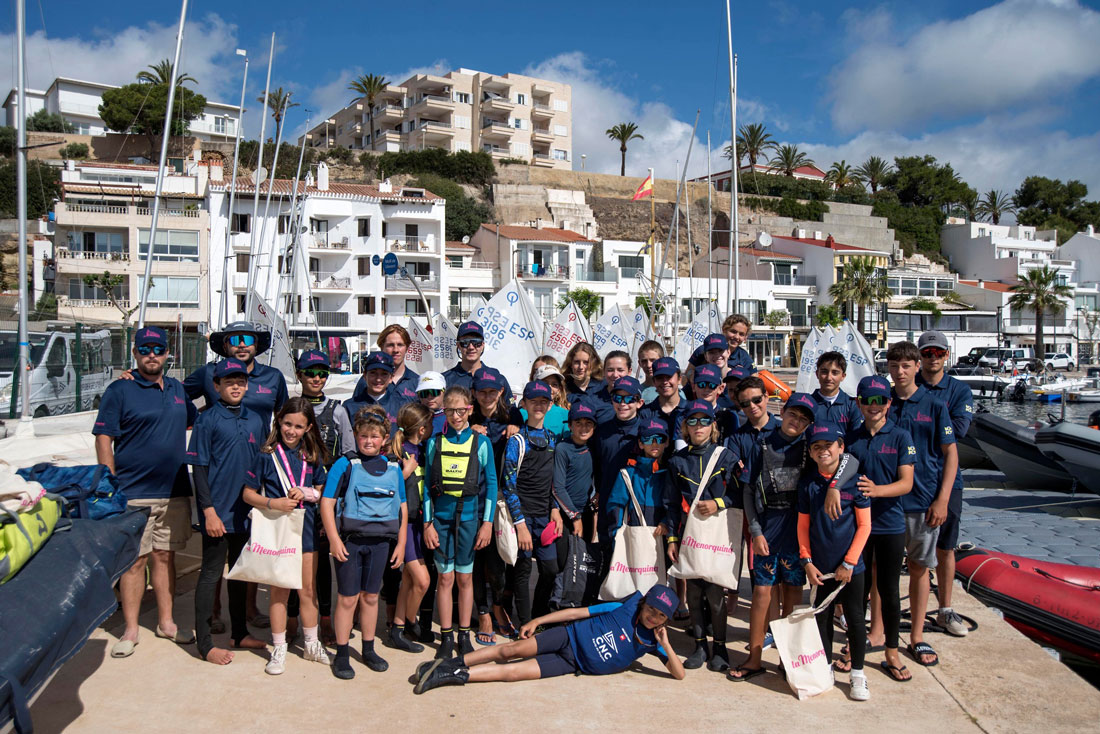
(50, 608)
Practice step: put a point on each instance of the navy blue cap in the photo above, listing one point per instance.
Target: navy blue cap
(378, 361)
(872, 385)
(652, 427)
(230, 367)
(629, 385)
(707, 373)
(695, 407)
(486, 378)
(581, 408)
(471, 328)
(826, 431)
(801, 400)
(716, 341)
(537, 389)
(150, 335)
(312, 358)
(666, 366)
(736, 373)
(663, 599)
(698, 357)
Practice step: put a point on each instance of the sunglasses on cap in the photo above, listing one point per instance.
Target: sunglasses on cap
(623, 399)
(314, 373)
(241, 340)
(873, 400)
(156, 349)
(372, 417)
(751, 401)
(467, 343)
(707, 385)
(703, 420)
(429, 393)
(650, 440)
(934, 352)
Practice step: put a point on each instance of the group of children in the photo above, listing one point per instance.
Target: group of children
(403, 495)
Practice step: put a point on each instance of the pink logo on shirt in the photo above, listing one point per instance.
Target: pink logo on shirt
(887, 450)
(922, 418)
(261, 390)
(179, 401)
(251, 439)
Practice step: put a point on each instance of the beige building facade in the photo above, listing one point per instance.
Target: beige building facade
(507, 116)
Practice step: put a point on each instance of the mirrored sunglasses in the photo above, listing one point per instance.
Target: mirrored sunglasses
(704, 420)
(145, 350)
(873, 400)
(933, 352)
(468, 343)
(650, 440)
(707, 385)
(623, 399)
(314, 373)
(241, 340)
(429, 393)
(751, 401)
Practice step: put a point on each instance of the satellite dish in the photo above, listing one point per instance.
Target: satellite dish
(466, 240)
(260, 175)
(764, 240)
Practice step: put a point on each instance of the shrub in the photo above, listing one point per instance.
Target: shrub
(75, 151)
(463, 166)
(813, 211)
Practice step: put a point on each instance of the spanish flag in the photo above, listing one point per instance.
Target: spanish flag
(646, 189)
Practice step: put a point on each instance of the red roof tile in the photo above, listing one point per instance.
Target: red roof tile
(104, 164)
(535, 234)
(458, 245)
(754, 252)
(338, 190)
(990, 285)
(832, 245)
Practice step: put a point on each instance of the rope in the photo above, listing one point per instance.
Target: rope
(970, 580)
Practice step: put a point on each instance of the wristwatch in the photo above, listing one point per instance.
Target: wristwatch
(805, 561)
(849, 566)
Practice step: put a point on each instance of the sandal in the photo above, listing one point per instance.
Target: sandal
(923, 648)
(123, 648)
(179, 636)
(894, 671)
(745, 673)
(486, 638)
(507, 630)
(842, 666)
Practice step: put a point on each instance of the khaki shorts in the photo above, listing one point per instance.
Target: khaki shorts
(169, 525)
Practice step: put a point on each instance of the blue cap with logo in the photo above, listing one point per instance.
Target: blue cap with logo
(628, 385)
(229, 367)
(666, 366)
(716, 341)
(699, 407)
(873, 385)
(736, 373)
(486, 378)
(663, 599)
(312, 358)
(150, 335)
(707, 373)
(801, 400)
(582, 409)
(378, 361)
(827, 431)
(652, 427)
(537, 389)
(471, 328)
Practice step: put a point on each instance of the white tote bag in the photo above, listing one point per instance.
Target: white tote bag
(805, 660)
(637, 561)
(273, 555)
(504, 529)
(710, 546)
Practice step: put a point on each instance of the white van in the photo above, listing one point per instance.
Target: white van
(53, 371)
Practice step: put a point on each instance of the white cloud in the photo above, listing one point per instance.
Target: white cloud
(1014, 53)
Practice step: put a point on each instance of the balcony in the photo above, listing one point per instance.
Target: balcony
(497, 104)
(97, 208)
(794, 280)
(1051, 325)
(543, 159)
(388, 113)
(541, 111)
(90, 302)
(542, 135)
(328, 242)
(497, 151)
(437, 102)
(143, 211)
(64, 253)
(496, 129)
(330, 282)
(435, 130)
(543, 272)
(403, 284)
(413, 245)
(592, 276)
(328, 318)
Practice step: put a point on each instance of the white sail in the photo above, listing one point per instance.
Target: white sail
(640, 333)
(513, 333)
(282, 358)
(707, 321)
(444, 343)
(421, 354)
(565, 331)
(849, 342)
(612, 332)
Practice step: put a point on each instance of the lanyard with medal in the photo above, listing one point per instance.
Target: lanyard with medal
(290, 472)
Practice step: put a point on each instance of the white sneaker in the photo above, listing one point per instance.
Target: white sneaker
(952, 622)
(277, 664)
(859, 690)
(316, 653)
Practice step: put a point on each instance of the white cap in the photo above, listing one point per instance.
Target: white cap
(431, 381)
(547, 370)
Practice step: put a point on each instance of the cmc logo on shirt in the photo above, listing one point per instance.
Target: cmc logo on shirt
(922, 418)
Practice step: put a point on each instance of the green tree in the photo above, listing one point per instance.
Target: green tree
(862, 285)
(916, 227)
(464, 214)
(921, 303)
(873, 171)
(921, 181)
(1051, 204)
(624, 132)
(968, 206)
(161, 72)
(1040, 291)
(47, 122)
(840, 175)
(995, 204)
(46, 308)
(43, 187)
(369, 87)
(828, 316)
(278, 102)
(7, 141)
(108, 282)
(139, 108)
(587, 301)
(788, 158)
(753, 143)
(75, 151)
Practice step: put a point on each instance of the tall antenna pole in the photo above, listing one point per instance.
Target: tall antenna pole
(733, 272)
(146, 284)
(256, 186)
(24, 375)
(233, 197)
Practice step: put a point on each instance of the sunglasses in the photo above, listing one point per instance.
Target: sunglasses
(707, 385)
(468, 343)
(702, 421)
(429, 393)
(145, 350)
(933, 352)
(623, 399)
(751, 401)
(241, 340)
(650, 440)
(371, 417)
(873, 400)
(313, 373)
(456, 411)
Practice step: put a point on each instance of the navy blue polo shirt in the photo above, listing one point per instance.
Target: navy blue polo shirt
(226, 442)
(928, 423)
(745, 442)
(458, 376)
(390, 401)
(674, 419)
(495, 431)
(405, 387)
(149, 425)
(266, 389)
(879, 457)
(740, 358)
(264, 478)
(572, 476)
(612, 638)
(844, 411)
(572, 392)
(614, 442)
(959, 399)
(831, 539)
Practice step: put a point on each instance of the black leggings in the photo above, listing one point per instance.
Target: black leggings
(851, 598)
(715, 596)
(490, 574)
(539, 604)
(215, 553)
(884, 553)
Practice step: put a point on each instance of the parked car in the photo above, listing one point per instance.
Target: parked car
(880, 361)
(1058, 361)
(1018, 357)
(970, 359)
(53, 370)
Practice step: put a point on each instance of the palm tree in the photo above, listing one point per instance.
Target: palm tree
(369, 87)
(1040, 290)
(789, 158)
(995, 204)
(969, 206)
(624, 132)
(161, 72)
(279, 102)
(873, 171)
(840, 175)
(861, 284)
(752, 143)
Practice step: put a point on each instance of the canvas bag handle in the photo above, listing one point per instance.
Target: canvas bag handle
(704, 480)
(633, 499)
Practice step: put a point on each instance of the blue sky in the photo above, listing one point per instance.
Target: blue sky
(1001, 90)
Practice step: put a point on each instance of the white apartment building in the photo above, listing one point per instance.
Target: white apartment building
(508, 116)
(78, 102)
(348, 229)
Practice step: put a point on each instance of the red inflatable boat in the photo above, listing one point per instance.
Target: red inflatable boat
(1055, 604)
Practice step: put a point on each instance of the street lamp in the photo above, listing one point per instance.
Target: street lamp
(583, 156)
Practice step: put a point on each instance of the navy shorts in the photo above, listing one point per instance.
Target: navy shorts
(546, 553)
(778, 568)
(414, 539)
(365, 567)
(949, 531)
(554, 653)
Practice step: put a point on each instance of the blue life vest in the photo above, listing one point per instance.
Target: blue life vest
(371, 504)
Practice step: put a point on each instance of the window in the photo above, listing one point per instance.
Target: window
(169, 292)
(454, 261)
(908, 286)
(385, 228)
(318, 226)
(976, 324)
(221, 125)
(462, 122)
(284, 223)
(560, 105)
(240, 224)
(415, 307)
(521, 149)
(463, 98)
(366, 305)
(943, 287)
(561, 131)
(101, 243)
(753, 310)
(363, 225)
(631, 265)
(927, 287)
(797, 309)
(462, 145)
(242, 263)
(172, 245)
(981, 231)
(521, 99)
(561, 155)
(364, 266)
(519, 124)
(242, 302)
(781, 274)
(79, 290)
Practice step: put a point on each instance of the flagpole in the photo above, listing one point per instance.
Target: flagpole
(733, 272)
(652, 249)
(710, 227)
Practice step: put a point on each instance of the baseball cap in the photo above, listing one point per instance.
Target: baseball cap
(800, 400)
(696, 407)
(312, 358)
(827, 431)
(537, 389)
(431, 381)
(151, 335)
(229, 367)
(716, 341)
(735, 373)
(698, 357)
(581, 409)
(547, 370)
(471, 328)
(486, 378)
(378, 361)
(707, 373)
(666, 366)
(933, 338)
(872, 385)
(652, 427)
(663, 599)
(628, 385)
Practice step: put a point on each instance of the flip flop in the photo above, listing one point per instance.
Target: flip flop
(840, 663)
(746, 673)
(893, 671)
(486, 638)
(507, 631)
(180, 637)
(123, 648)
(922, 648)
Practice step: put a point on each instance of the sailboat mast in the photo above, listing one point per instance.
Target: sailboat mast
(21, 205)
(710, 228)
(233, 196)
(267, 208)
(733, 267)
(146, 284)
(256, 187)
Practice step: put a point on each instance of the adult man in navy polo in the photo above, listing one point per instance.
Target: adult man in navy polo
(471, 345)
(378, 373)
(141, 436)
(243, 341)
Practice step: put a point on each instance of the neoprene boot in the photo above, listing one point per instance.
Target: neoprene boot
(697, 658)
